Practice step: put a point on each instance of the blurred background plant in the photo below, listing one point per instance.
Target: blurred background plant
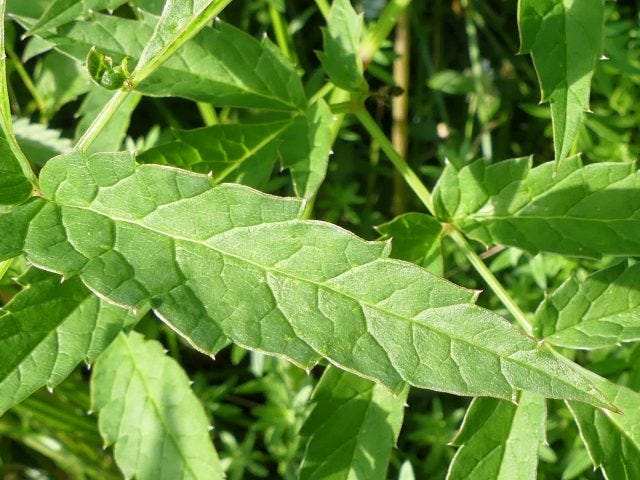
(470, 96)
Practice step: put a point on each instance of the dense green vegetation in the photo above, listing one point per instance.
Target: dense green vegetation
(319, 240)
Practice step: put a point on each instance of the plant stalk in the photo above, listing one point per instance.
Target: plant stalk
(398, 160)
(424, 195)
(493, 283)
(400, 108)
(381, 30)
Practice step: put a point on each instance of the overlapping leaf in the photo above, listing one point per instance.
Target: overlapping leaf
(15, 184)
(221, 65)
(601, 311)
(147, 409)
(583, 211)
(500, 440)
(415, 238)
(353, 426)
(565, 39)
(612, 440)
(47, 330)
(227, 262)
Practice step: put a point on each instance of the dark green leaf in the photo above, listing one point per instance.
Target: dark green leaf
(415, 238)
(500, 440)
(341, 56)
(352, 428)
(601, 311)
(47, 330)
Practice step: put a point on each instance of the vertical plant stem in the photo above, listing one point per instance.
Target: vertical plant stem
(26, 80)
(5, 110)
(208, 114)
(323, 6)
(381, 30)
(400, 108)
(283, 39)
(476, 72)
(398, 160)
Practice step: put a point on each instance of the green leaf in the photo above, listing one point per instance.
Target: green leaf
(305, 149)
(452, 82)
(231, 152)
(341, 57)
(47, 329)
(14, 224)
(60, 80)
(39, 142)
(415, 238)
(15, 174)
(113, 134)
(500, 440)
(147, 409)
(612, 440)
(221, 65)
(565, 39)
(352, 428)
(239, 265)
(247, 153)
(60, 12)
(601, 311)
(582, 211)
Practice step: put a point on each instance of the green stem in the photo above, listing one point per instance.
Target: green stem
(208, 114)
(493, 283)
(26, 80)
(398, 161)
(425, 196)
(101, 120)
(5, 111)
(283, 39)
(476, 72)
(380, 31)
(147, 65)
(321, 93)
(323, 6)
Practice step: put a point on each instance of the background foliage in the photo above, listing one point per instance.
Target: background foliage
(470, 96)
